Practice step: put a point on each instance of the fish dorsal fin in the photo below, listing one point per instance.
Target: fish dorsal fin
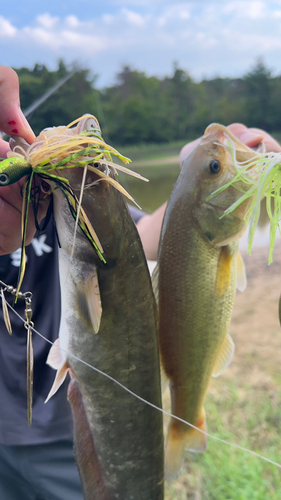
(225, 356)
(57, 361)
(224, 270)
(155, 282)
(241, 282)
(89, 302)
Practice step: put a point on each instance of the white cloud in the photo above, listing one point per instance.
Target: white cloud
(72, 21)
(276, 14)
(205, 37)
(47, 21)
(176, 13)
(6, 28)
(206, 41)
(107, 19)
(133, 18)
(86, 42)
(184, 14)
(254, 9)
(40, 36)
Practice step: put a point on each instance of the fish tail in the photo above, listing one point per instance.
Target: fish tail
(174, 452)
(181, 437)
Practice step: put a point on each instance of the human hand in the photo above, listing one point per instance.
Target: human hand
(12, 119)
(252, 137)
(13, 123)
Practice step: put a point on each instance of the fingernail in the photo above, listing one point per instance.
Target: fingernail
(2, 203)
(29, 134)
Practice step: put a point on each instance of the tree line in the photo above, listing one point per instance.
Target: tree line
(147, 109)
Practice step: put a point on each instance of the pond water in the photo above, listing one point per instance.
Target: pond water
(150, 195)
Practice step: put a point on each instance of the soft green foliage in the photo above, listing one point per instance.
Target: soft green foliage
(145, 109)
(226, 473)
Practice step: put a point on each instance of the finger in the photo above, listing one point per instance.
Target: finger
(270, 143)
(237, 129)
(246, 135)
(251, 139)
(4, 148)
(12, 120)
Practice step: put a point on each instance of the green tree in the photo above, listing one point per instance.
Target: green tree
(257, 96)
(140, 108)
(135, 109)
(73, 99)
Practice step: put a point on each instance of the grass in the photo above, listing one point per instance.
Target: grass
(239, 415)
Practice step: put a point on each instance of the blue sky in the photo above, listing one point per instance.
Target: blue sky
(206, 38)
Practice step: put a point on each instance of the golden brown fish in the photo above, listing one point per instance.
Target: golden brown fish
(199, 267)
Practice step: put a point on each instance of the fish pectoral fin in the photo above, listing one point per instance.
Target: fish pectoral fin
(164, 378)
(55, 357)
(60, 378)
(155, 282)
(89, 302)
(183, 438)
(224, 357)
(241, 282)
(224, 269)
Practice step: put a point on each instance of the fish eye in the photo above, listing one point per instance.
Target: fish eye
(4, 179)
(91, 124)
(215, 166)
(88, 125)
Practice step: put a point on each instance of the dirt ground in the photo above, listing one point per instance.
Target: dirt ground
(255, 324)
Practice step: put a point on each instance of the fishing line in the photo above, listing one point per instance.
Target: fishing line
(165, 412)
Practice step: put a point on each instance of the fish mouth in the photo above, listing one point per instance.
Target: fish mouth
(217, 208)
(239, 212)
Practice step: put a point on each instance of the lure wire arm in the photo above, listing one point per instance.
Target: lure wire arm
(29, 325)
